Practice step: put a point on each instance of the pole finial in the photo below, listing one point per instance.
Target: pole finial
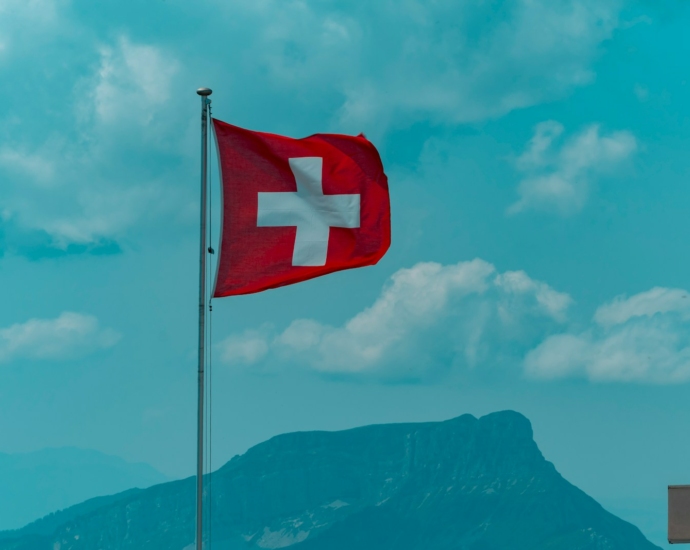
(204, 91)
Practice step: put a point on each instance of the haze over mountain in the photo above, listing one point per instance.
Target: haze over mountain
(467, 483)
(37, 483)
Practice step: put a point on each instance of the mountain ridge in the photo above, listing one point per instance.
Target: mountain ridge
(465, 483)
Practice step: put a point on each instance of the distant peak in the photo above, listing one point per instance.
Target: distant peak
(513, 419)
(509, 421)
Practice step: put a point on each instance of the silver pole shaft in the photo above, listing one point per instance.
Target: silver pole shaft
(204, 93)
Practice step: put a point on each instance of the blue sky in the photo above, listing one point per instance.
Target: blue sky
(536, 152)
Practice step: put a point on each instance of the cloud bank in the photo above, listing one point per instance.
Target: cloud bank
(432, 319)
(644, 338)
(67, 336)
(446, 61)
(429, 317)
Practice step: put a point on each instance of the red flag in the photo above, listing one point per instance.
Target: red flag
(294, 209)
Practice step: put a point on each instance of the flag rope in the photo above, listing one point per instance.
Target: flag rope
(210, 340)
(209, 350)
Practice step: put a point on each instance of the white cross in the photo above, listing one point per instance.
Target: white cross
(312, 212)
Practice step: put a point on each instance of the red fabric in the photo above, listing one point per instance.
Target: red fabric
(253, 259)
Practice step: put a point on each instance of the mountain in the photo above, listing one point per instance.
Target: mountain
(47, 525)
(34, 484)
(463, 484)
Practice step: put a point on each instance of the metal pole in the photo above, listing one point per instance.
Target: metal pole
(204, 93)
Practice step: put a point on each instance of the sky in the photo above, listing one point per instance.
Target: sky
(536, 156)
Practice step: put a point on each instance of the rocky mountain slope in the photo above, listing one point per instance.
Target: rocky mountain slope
(463, 484)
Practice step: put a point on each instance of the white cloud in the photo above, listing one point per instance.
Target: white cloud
(645, 304)
(249, 347)
(446, 61)
(644, 338)
(641, 92)
(35, 166)
(559, 179)
(93, 189)
(429, 316)
(65, 195)
(549, 300)
(104, 212)
(21, 21)
(69, 335)
(132, 83)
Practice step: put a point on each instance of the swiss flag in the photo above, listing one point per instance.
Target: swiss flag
(294, 209)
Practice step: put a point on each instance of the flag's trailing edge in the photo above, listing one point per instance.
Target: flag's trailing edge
(295, 209)
(222, 207)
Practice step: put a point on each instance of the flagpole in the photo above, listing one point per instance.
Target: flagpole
(205, 101)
